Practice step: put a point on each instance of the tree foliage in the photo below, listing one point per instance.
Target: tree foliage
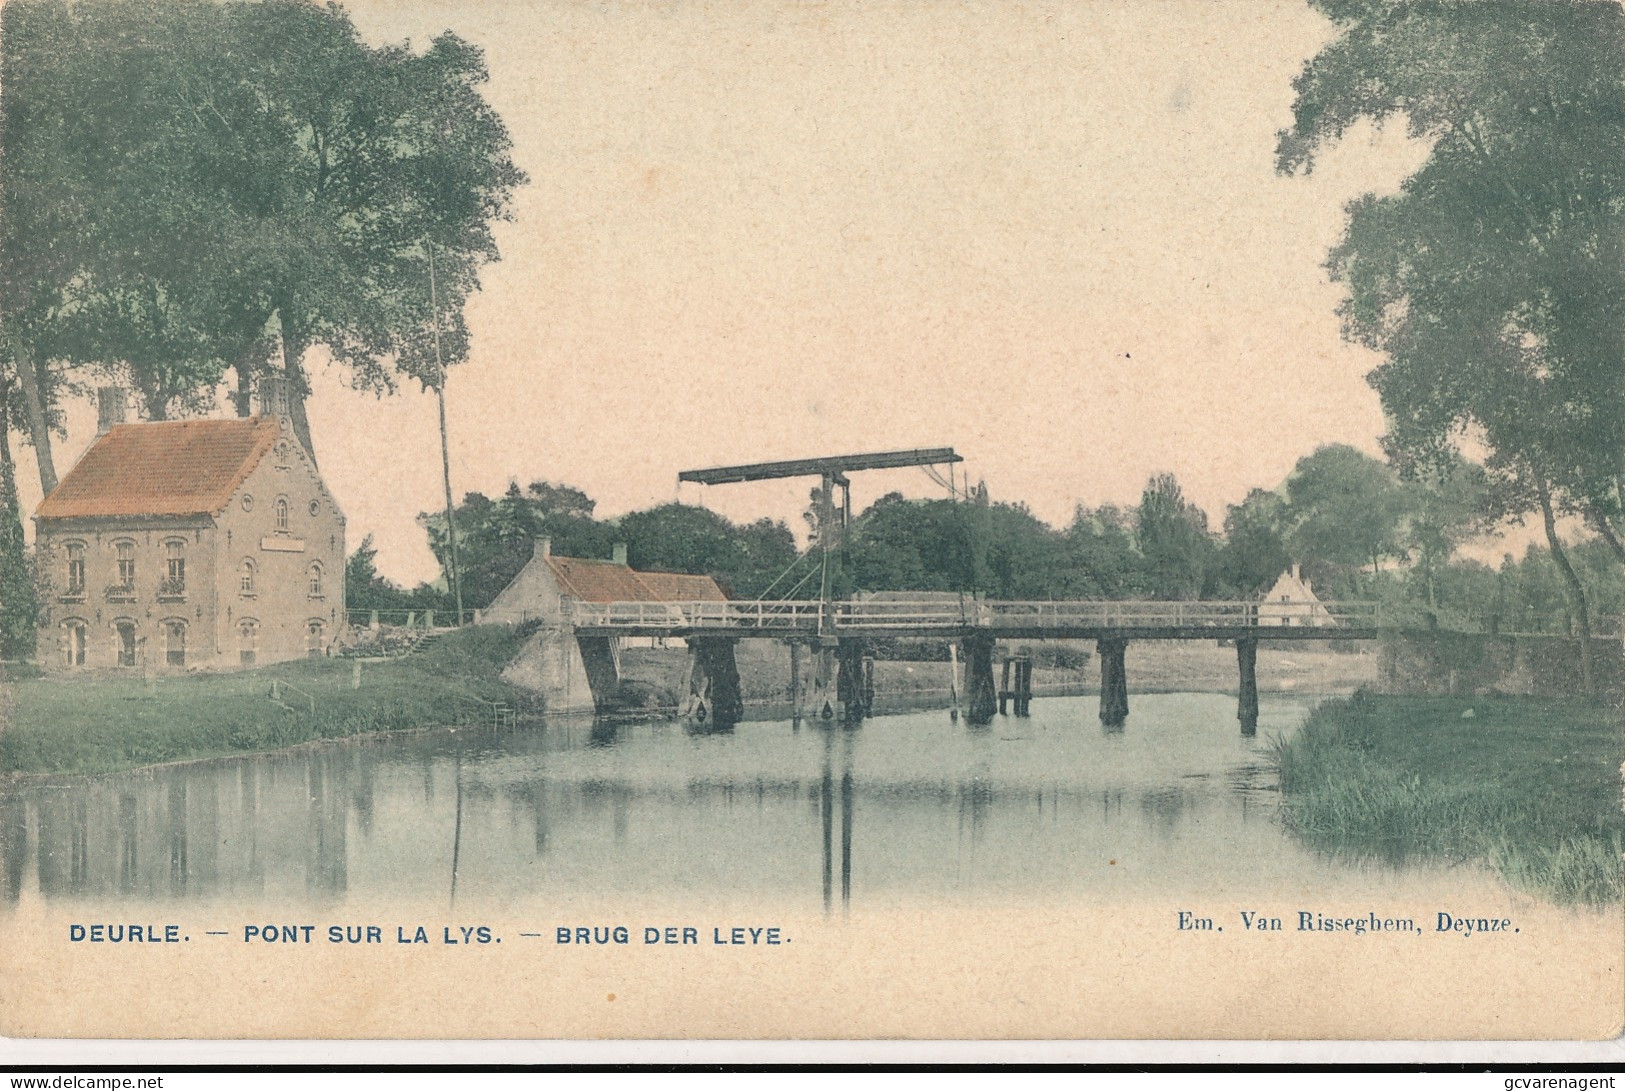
(1344, 507)
(1492, 282)
(183, 178)
(1172, 536)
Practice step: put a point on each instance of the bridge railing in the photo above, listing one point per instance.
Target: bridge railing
(765, 616)
(802, 615)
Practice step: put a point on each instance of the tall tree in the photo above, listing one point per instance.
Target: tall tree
(202, 175)
(1172, 536)
(1344, 507)
(1492, 282)
(1255, 550)
(19, 605)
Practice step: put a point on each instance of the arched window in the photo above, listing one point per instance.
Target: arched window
(124, 551)
(174, 585)
(76, 569)
(77, 634)
(315, 632)
(315, 573)
(175, 642)
(245, 576)
(282, 513)
(248, 641)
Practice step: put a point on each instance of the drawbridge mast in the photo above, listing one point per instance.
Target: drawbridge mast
(831, 471)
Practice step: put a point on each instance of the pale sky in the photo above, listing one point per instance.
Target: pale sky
(1048, 235)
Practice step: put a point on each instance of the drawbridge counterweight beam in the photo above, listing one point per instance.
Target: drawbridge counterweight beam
(833, 466)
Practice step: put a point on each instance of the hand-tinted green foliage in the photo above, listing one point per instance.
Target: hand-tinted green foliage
(1492, 281)
(1255, 551)
(19, 605)
(681, 538)
(495, 538)
(1345, 508)
(364, 588)
(1173, 539)
(180, 174)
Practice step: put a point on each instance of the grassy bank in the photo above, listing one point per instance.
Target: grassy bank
(63, 725)
(1529, 785)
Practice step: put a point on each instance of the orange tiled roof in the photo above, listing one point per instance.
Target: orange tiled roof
(676, 587)
(606, 581)
(189, 467)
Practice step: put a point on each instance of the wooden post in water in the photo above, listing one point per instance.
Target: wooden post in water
(868, 684)
(1113, 681)
(984, 701)
(795, 679)
(714, 691)
(1004, 686)
(824, 679)
(1024, 686)
(953, 678)
(849, 679)
(1247, 663)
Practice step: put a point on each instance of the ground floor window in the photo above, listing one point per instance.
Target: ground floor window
(248, 641)
(124, 637)
(314, 634)
(175, 643)
(78, 634)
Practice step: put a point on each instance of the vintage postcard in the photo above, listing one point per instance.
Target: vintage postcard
(812, 520)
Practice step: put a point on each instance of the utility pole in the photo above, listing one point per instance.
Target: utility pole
(445, 450)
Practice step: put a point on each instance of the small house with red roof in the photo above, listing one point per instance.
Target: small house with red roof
(173, 545)
(545, 587)
(580, 672)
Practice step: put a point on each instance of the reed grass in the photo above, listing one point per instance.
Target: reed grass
(1529, 786)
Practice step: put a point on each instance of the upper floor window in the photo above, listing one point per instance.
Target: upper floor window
(125, 552)
(282, 513)
(76, 568)
(245, 577)
(174, 568)
(316, 581)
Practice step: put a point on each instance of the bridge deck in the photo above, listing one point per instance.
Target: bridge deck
(1081, 620)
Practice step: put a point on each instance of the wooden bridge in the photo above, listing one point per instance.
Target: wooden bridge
(837, 633)
(1037, 620)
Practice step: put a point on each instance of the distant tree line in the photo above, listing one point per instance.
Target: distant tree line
(1359, 529)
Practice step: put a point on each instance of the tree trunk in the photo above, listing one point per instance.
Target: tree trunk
(1600, 521)
(293, 352)
(1577, 594)
(19, 606)
(152, 396)
(39, 429)
(243, 399)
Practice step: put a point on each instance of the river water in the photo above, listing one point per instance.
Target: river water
(1177, 803)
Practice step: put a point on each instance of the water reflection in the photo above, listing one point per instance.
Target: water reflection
(908, 803)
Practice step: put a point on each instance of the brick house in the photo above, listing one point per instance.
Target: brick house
(198, 543)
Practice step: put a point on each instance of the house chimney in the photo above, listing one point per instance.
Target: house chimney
(111, 404)
(542, 548)
(617, 553)
(273, 394)
(1295, 574)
